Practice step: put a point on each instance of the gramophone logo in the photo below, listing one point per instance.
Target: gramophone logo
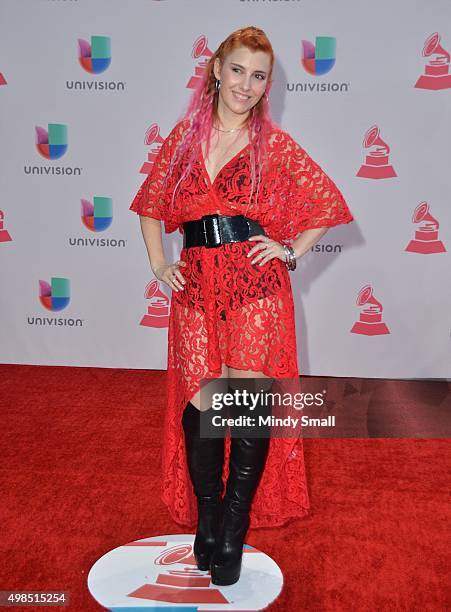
(98, 215)
(158, 309)
(436, 71)
(377, 164)
(319, 58)
(200, 50)
(182, 579)
(52, 143)
(4, 234)
(370, 320)
(56, 294)
(95, 57)
(2, 79)
(426, 239)
(152, 137)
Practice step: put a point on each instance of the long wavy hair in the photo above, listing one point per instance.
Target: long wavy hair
(202, 109)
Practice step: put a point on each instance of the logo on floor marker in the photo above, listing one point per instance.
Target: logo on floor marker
(161, 572)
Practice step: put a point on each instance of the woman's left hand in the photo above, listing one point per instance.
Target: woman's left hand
(266, 250)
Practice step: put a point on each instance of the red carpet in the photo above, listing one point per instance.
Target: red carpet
(81, 465)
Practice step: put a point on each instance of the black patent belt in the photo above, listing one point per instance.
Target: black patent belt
(214, 230)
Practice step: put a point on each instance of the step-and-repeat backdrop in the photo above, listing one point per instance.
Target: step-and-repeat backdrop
(90, 89)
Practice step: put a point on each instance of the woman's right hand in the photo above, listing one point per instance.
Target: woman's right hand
(171, 275)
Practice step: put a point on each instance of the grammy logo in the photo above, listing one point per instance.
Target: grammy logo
(370, 320)
(152, 137)
(200, 49)
(436, 72)
(426, 239)
(180, 581)
(376, 164)
(158, 310)
(4, 234)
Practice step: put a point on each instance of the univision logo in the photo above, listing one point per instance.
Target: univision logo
(54, 296)
(95, 57)
(317, 60)
(52, 143)
(97, 216)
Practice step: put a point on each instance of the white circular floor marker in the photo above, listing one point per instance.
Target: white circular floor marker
(160, 573)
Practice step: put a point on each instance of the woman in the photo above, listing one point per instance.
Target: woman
(249, 201)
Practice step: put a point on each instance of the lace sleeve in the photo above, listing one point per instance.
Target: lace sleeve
(314, 199)
(151, 200)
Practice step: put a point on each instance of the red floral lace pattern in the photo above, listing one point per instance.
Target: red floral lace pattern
(303, 195)
(296, 193)
(232, 311)
(153, 196)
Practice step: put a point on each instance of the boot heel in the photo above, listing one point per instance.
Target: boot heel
(203, 561)
(225, 576)
(228, 555)
(209, 518)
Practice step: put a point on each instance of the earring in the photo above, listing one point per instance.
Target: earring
(217, 84)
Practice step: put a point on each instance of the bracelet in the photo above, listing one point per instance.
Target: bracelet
(290, 257)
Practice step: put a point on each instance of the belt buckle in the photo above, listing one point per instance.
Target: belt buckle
(211, 230)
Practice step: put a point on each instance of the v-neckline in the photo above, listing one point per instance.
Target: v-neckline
(204, 166)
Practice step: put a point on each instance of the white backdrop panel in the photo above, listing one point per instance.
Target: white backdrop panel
(378, 60)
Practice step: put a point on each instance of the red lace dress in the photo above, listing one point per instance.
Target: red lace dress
(232, 311)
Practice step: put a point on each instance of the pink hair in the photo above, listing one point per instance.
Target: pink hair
(203, 108)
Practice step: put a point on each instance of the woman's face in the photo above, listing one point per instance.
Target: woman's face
(244, 79)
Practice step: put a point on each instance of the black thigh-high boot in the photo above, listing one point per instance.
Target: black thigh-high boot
(205, 458)
(247, 462)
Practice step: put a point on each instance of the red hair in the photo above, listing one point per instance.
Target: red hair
(202, 108)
